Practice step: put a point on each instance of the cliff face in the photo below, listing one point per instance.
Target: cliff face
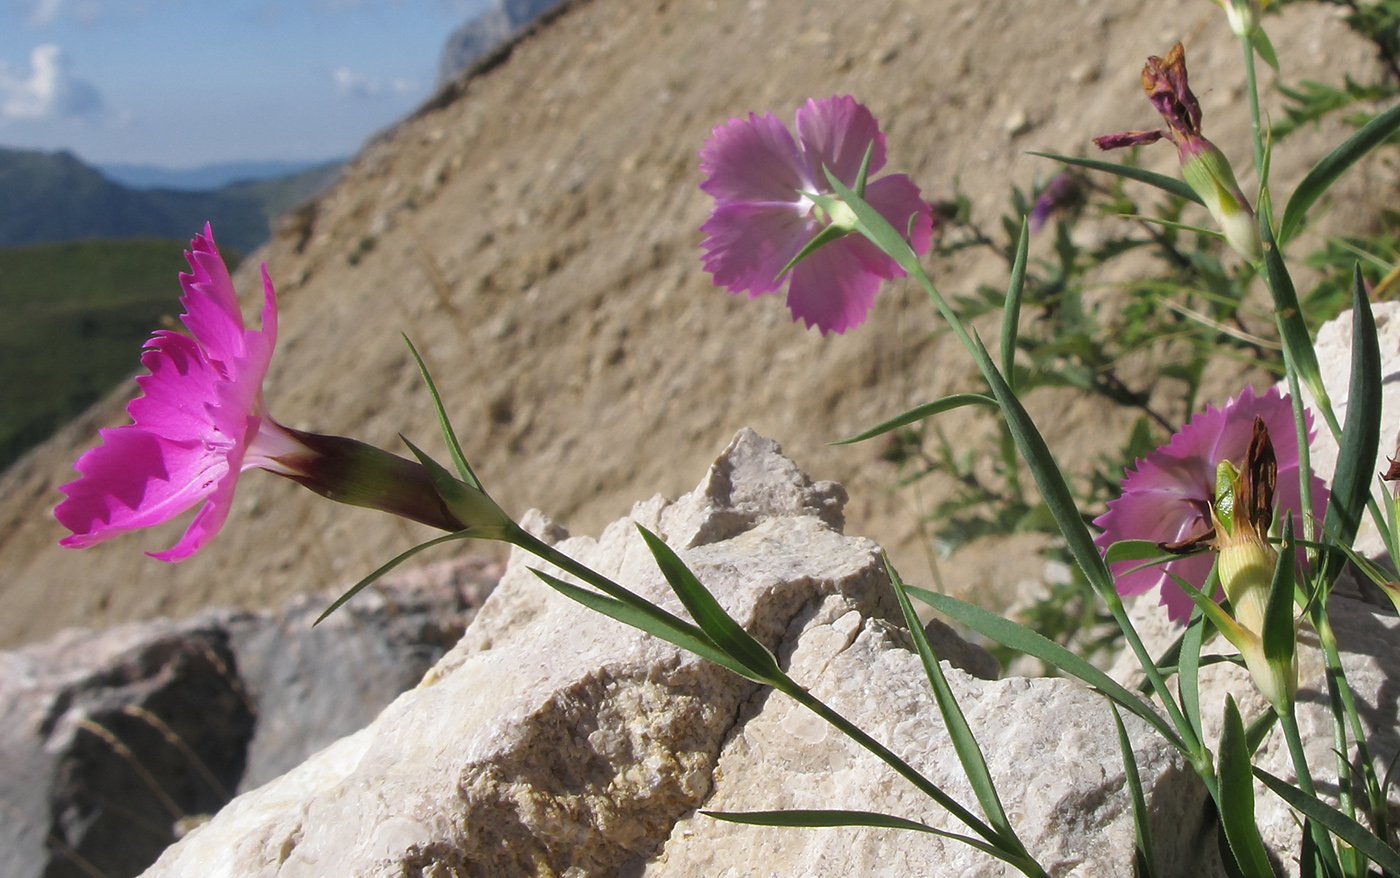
(534, 231)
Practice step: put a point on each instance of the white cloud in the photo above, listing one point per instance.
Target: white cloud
(42, 12)
(47, 90)
(362, 85)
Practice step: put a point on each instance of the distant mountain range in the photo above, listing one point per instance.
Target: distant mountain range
(52, 197)
(205, 178)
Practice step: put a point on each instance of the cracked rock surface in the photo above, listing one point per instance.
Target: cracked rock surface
(554, 741)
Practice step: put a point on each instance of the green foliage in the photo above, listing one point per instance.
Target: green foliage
(75, 314)
(52, 197)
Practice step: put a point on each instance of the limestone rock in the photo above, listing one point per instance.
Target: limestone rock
(112, 742)
(553, 741)
(1050, 745)
(108, 738)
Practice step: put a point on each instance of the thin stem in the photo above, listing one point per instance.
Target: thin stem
(1343, 702)
(1196, 751)
(1288, 719)
(1252, 88)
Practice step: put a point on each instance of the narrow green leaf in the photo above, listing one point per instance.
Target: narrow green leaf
(1334, 821)
(368, 580)
(918, 413)
(1278, 636)
(728, 635)
(1011, 313)
(810, 819)
(692, 641)
(1133, 550)
(1259, 730)
(1170, 185)
(1018, 637)
(1048, 477)
(1351, 485)
(1332, 166)
(1188, 669)
(453, 492)
(871, 223)
(454, 448)
(1265, 47)
(819, 240)
(1237, 798)
(1293, 329)
(1142, 830)
(959, 732)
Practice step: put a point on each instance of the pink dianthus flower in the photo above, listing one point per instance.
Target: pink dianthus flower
(1167, 496)
(198, 424)
(761, 180)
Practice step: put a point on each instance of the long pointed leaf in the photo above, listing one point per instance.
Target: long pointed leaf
(959, 732)
(1332, 166)
(1142, 830)
(1011, 313)
(359, 586)
(1335, 821)
(643, 621)
(1351, 485)
(1188, 670)
(1237, 798)
(728, 635)
(1293, 329)
(449, 435)
(1170, 185)
(1018, 637)
(831, 818)
(919, 412)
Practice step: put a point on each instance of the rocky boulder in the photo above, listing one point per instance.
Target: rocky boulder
(552, 740)
(115, 742)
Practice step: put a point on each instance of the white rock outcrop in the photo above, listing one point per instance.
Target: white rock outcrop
(553, 741)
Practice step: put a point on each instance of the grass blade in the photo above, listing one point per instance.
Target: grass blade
(1332, 166)
(918, 413)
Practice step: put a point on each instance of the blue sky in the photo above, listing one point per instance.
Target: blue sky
(183, 83)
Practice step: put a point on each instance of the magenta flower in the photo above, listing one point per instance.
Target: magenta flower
(762, 182)
(1167, 496)
(199, 422)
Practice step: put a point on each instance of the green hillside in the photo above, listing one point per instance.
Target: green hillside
(55, 197)
(76, 315)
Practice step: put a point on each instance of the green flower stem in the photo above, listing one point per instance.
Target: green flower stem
(1288, 720)
(1252, 88)
(1344, 703)
(1196, 752)
(1015, 853)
